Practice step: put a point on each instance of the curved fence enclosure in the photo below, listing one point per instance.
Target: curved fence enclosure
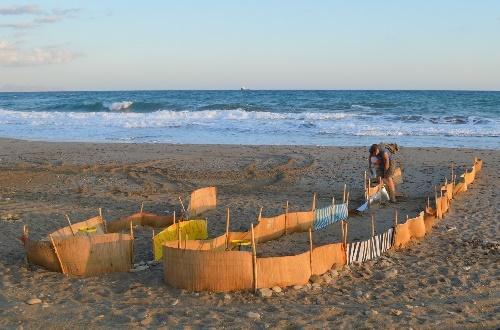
(211, 265)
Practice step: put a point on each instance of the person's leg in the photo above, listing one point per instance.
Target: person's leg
(392, 188)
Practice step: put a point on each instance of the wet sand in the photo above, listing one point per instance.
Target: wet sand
(450, 279)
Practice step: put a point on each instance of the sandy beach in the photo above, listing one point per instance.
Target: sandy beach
(450, 279)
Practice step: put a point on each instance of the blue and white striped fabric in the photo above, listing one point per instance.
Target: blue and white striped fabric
(369, 249)
(326, 216)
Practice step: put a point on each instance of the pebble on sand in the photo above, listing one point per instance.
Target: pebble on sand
(265, 292)
(253, 315)
(298, 287)
(34, 301)
(276, 289)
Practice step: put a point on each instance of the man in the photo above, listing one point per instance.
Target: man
(381, 160)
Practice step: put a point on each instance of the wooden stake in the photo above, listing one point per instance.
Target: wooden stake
(63, 270)
(310, 248)
(343, 198)
(70, 225)
(227, 229)
(142, 206)
(347, 200)
(314, 202)
(104, 224)
(286, 218)
(452, 174)
(131, 244)
(178, 236)
(428, 202)
(343, 230)
(365, 182)
(368, 192)
(174, 217)
(260, 214)
(373, 225)
(346, 233)
(254, 261)
(332, 215)
(396, 218)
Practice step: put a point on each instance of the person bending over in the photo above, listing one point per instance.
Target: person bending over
(384, 167)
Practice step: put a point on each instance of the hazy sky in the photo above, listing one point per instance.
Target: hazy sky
(261, 44)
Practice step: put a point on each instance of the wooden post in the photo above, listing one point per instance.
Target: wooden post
(343, 230)
(368, 192)
(343, 198)
(260, 214)
(365, 182)
(254, 261)
(227, 229)
(63, 270)
(373, 225)
(332, 215)
(104, 223)
(396, 219)
(178, 235)
(347, 201)
(142, 206)
(70, 225)
(310, 248)
(286, 218)
(346, 233)
(314, 202)
(452, 175)
(428, 201)
(174, 217)
(131, 245)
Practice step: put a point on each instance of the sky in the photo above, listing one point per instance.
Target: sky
(260, 44)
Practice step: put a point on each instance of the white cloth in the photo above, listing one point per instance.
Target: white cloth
(380, 196)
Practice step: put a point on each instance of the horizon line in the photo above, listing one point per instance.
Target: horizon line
(251, 90)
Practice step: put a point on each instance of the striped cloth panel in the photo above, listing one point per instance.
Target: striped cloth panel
(326, 216)
(370, 249)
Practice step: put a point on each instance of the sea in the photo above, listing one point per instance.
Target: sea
(257, 117)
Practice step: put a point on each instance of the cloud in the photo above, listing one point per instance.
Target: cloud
(20, 10)
(48, 19)
(18, 26)
(13, 56)
(41, 17)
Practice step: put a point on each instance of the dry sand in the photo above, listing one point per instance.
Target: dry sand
(448, 280)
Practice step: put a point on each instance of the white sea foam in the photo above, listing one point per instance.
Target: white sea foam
(117, 106)
(216, 125)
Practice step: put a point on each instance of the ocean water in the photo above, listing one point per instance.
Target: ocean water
(347, 118)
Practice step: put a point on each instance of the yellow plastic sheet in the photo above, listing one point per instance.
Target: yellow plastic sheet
(192, 229)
